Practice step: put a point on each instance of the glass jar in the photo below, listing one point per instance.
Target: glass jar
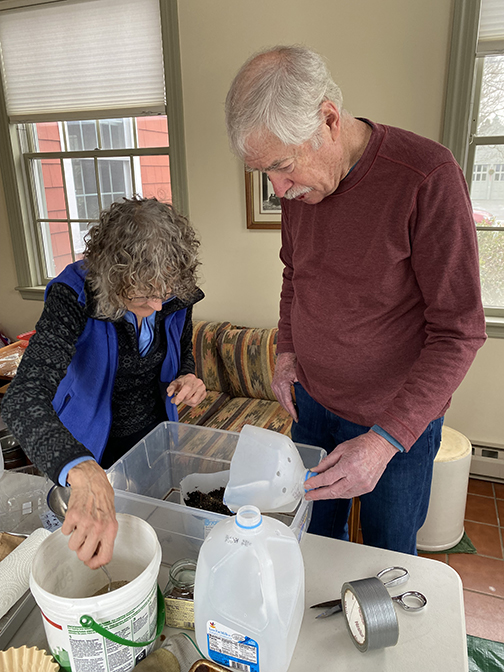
(179, 595)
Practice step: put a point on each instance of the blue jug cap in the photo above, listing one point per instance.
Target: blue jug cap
(248, 517)
(308, 475)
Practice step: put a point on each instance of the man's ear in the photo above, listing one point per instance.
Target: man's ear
(332, 117)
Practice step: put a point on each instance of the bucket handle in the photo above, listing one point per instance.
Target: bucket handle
(89, 622)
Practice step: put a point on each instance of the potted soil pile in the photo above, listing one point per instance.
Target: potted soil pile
(209, 501)
(205, 491)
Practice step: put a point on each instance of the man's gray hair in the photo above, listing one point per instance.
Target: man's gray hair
(280, 91)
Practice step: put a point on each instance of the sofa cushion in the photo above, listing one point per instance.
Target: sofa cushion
(200, 414)
(241, 411)
(209, 365)
(249, 357)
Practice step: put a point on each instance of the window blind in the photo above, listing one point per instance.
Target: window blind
(82, 59)
(491, 29)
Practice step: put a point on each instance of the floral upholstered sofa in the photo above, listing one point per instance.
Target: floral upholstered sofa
(236, 365)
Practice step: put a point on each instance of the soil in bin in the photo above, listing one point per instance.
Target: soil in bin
(209, 501)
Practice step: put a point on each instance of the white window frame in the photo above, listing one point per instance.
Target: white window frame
(30, 275)
(460, 99)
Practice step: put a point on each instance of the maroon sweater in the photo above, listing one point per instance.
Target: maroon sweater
(381, 297)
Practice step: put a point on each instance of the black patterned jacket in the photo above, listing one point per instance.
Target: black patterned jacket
(136, 399)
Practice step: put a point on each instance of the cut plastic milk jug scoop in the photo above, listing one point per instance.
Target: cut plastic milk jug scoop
(266, 471)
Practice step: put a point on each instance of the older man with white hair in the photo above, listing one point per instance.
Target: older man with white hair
(380, 310)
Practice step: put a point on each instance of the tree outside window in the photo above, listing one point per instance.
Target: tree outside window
(486, 167)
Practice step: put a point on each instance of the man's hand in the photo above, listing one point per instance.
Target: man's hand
(187, 389)
(353, 468)
(283, 379)
(90, 517)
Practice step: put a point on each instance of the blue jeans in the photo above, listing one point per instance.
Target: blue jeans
(395, 510)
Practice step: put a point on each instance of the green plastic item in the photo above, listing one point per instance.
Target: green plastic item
(465, 545)
(485, 655)
(89, 622)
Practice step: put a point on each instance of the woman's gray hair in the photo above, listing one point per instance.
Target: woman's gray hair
(280, 91)
(140, 246)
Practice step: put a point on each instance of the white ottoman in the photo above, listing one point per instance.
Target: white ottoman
(444, 525)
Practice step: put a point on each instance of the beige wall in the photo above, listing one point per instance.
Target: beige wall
(16, 315)
(390, 59)
(476, 409)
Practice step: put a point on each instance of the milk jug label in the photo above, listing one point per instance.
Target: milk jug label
(231, 648)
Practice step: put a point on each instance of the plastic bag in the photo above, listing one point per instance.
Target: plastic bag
(485, 655)
(10, 359)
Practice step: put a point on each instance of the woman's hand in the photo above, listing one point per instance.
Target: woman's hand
(90, 518)
(187, 389)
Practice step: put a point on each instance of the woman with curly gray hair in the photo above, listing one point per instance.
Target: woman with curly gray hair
(111, 358)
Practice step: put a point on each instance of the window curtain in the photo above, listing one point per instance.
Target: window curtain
(82, 59)
(491, 28)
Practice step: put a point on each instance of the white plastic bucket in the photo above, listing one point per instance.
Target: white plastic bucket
(444, 525)
(62, 585)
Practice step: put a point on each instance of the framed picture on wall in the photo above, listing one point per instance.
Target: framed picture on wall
(263, 207)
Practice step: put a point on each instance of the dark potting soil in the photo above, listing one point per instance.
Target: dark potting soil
(209, 501)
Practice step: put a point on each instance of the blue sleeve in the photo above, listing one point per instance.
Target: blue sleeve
(387, 436)
(62, 478)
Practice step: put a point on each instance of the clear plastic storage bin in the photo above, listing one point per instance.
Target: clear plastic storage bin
(23, 505)
(147, 484)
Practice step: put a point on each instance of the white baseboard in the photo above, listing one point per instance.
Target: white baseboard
(488, 463)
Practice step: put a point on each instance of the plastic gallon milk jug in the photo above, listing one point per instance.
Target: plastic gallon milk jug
(266, 471)
(249, 593)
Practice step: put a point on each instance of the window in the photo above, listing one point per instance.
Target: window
(77, 168)
(486, 157)
(87, 122)
(474, 130)
(499, 172)
(480, 173)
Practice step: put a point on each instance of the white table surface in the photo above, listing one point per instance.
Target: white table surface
(433, 639)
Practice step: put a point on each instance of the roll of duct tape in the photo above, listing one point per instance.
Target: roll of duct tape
(369, 613)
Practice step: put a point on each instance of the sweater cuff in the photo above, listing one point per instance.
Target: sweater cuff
(62, 478)
(285, 346)
(386, 435)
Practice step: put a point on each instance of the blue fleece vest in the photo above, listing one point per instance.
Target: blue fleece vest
(83, 400)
